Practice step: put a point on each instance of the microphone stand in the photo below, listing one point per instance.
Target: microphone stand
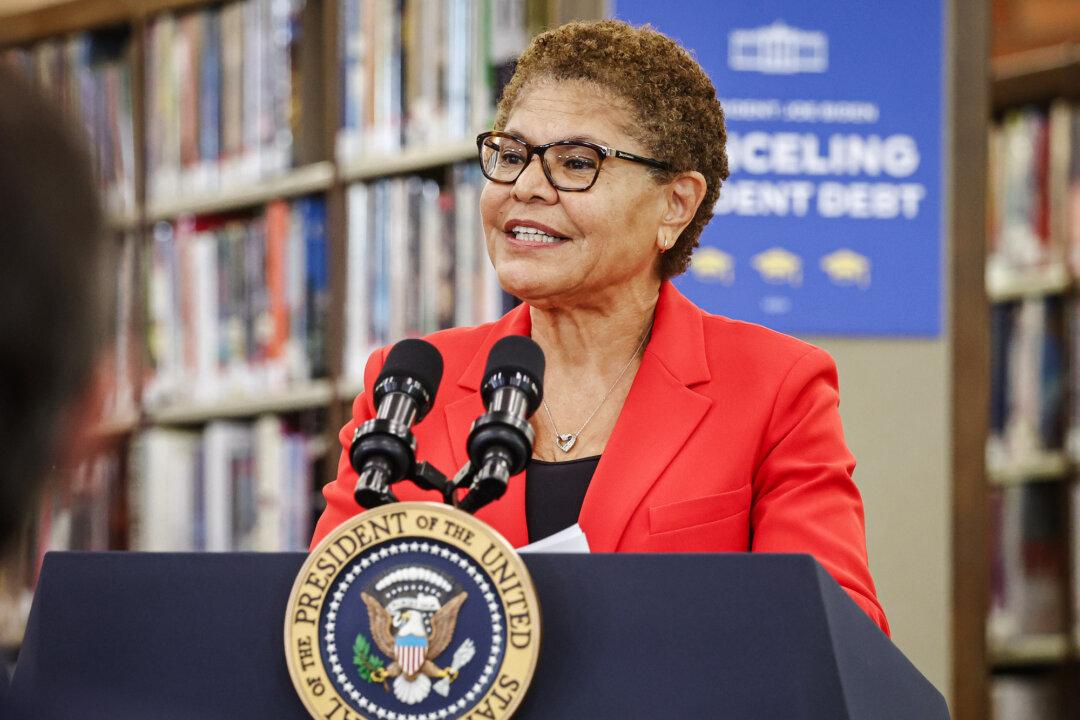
(428, 477)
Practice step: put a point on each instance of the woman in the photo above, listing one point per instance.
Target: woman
(664, 428)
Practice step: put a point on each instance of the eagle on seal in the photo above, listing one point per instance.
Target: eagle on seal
(402, 636)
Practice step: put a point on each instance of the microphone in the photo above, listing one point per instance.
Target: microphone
(501, 440)
(383, 450)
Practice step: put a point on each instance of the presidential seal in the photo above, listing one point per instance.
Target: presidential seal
(412, 611)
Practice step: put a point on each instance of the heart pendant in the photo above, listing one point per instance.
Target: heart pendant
(565, 442)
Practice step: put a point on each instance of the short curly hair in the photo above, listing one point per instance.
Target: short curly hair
(676, 113)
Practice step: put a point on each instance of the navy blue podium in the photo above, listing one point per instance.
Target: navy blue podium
(131, 635)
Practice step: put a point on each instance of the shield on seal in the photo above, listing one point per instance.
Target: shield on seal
(410, 650)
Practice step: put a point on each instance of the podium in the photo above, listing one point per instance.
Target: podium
(141, 635)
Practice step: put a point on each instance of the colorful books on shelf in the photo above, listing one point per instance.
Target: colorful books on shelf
(89, 75)
(1028, 380)
(231, 487)
(229, 95)
(121, 405)
(1028, 569)
(1034, 202)
(237, 305)
(417, 262)
(417, 73)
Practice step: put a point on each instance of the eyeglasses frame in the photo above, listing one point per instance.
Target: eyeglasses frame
(530, 150)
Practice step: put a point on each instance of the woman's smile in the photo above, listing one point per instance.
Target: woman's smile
(529, 234)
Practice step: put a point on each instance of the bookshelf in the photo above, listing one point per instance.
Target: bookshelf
(307, 180)
(1004, 284)
(315, 394)
(197, 181)
(1033, 650)
(1039, 466)
(1030, 652)
(415, 160)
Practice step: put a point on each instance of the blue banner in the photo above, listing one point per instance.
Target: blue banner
(830, 223)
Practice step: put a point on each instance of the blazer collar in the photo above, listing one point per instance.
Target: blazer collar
(678, 339)
(659, 415)
(516, 322)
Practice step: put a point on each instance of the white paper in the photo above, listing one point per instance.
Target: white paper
(570, 540)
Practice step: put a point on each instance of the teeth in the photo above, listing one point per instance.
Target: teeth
(531, 234)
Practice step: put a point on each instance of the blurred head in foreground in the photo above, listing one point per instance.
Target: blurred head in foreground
(54, 292)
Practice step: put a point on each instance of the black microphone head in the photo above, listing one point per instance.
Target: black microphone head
(516, 354)
(418, 360)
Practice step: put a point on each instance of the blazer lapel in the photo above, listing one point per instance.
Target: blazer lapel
(659, 415)
(507, 515)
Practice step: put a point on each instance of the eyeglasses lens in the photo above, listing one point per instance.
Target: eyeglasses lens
(502, 159)
(570, 166)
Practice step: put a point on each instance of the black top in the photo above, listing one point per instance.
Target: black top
(554, 492)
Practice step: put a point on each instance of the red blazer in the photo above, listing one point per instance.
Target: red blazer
(729, 441)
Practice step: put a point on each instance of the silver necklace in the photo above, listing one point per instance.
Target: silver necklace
(565, 442)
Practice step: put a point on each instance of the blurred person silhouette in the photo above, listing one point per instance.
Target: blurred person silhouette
(55, 294)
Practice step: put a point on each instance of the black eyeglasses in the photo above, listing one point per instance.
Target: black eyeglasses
(571, 165)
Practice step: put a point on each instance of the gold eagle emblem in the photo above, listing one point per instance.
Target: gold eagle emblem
(403, 636)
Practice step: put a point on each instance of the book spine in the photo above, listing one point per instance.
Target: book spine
(209, 102)
(379, 273)
(430, 261)
(398, 258)
(232, 91)
(352, 44)
(277, 232)
(313, 212)
(466, 251)
(271, 472)
(253, 90)
(357, 291)
(296, 291)
(187, 54)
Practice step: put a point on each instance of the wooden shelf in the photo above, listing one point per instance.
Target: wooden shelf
(79, 15)
(312, 395)
(122, 222)
(317, 177)
(1037, 467)
(1034, 650)
(116, 427)
(406, 161)
(1004, 285)
(320, 446)
(1035, 76)
(347, 391)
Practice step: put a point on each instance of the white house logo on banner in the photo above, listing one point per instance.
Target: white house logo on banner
(778, 49)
